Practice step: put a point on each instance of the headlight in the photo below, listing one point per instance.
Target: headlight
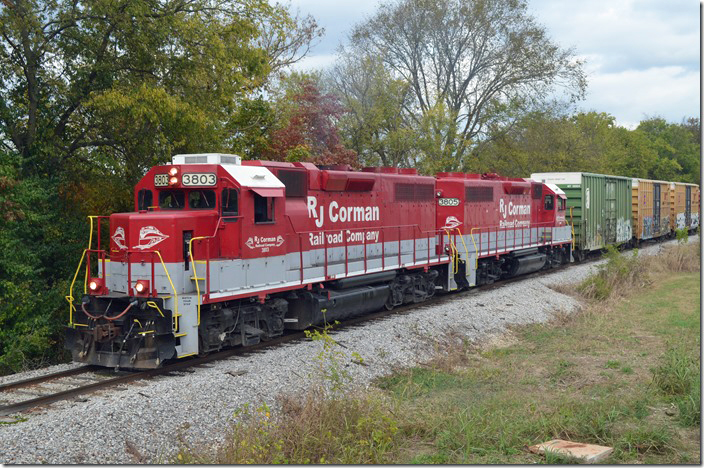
(96, 286)
(173, 181)
(142, 287)
(173, 171)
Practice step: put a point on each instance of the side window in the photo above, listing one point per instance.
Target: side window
(561, 205)
(201, 199)
(144, 199)
(263, 209)
(549, 205)
(230, 204)
(171, 199)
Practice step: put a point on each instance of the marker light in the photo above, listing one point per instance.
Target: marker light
(173, 171)
(173, 181)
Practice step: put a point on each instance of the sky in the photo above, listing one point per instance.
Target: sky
(642, 56)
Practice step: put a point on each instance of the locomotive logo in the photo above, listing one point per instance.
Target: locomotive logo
(149, 236)
(342, 214)
(119, 238)
(257, 242)
(452, 222)
(509, 209)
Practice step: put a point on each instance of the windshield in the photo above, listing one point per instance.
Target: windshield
(201, 199)
(171, 199)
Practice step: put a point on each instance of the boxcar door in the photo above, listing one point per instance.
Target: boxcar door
(688, 206)
(610, 215)
(656, 209)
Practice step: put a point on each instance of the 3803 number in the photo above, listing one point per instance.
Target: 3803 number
(192, 179)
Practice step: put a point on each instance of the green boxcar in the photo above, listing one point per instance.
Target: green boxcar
(598, 207)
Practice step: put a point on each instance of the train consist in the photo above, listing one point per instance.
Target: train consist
(222, 252)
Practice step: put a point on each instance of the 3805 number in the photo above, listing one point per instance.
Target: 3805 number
(199, 179)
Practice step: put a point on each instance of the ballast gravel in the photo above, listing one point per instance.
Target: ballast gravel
(148, 421)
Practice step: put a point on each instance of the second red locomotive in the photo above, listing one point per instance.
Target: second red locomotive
(222, 252)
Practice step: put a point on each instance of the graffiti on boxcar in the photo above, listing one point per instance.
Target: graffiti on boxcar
(623, 230)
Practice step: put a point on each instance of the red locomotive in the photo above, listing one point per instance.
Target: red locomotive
(221, 252)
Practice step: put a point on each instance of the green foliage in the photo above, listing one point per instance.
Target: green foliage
(678, 376)
(309, 429)
(331, 359)
(33, 253)
(618, 272)
(682, 235)
(676, 372)
(551, 140)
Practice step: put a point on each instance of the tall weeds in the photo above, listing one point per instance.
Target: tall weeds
(623, 273)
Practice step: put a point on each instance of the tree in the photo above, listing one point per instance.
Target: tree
(99, 78)
(677, 146)
(309, 132)
(477, 62)
(375, 124)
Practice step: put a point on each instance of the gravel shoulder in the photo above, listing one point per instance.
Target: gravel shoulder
(148, 420)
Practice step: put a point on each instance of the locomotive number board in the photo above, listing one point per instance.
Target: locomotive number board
(161, 180)
(195, 178)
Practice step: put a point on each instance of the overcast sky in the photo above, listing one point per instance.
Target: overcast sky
(642, 55)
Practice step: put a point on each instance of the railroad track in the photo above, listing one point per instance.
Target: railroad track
(94, 378)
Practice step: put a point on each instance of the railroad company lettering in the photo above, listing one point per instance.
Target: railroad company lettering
(342, 214)
(512, 210)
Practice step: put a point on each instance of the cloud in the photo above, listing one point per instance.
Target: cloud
(632, 95)
(642, 56)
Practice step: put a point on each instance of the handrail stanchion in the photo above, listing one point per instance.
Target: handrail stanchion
(300, 251)
(326, 257)
(399, 246)
(129, 274)
(346, 254)
(207, 270)
(364, 240)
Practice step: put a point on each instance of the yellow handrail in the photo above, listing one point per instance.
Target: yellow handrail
(195, 273)
(464, 244)
(455, 253)
(572, 225)
(153, 305)
(476, 256)
(90, 244)
(173, 288)
(70, 298)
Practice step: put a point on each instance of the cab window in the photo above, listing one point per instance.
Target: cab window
(263, 209)
(561, 204)
(201, 200)
(230, 204)
(171, 199)
(144, 199)
(549, 205)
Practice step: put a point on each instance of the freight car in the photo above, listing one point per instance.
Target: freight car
(221, 252)
(651, 209)
(685, 201)
(599, 207)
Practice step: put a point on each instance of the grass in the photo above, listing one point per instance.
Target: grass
(623, 373)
